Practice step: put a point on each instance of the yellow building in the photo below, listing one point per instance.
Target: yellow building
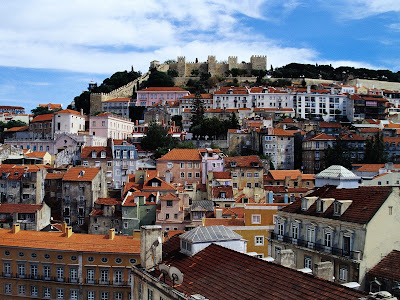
(66, 265)
(253, 223)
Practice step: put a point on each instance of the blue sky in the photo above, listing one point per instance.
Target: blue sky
(51, 50)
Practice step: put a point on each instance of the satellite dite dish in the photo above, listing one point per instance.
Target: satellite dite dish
(164, 270)
(175, 275)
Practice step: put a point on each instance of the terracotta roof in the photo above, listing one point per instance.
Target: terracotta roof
(182, 154)
(120, 142)
(41, 118)
(329, 125)
(217, 190)
(222, 175)
(14, 129)
(283, 132)
(321, 137)
(74, 174)
(370, 130)
(293, 174)
(130, 200)
(202, 96)
(11, 107)
(371, 167)
(96, 212)
(164, 186)
(287, 120)
(387, 267)
(361, 210)
(109, 201)
(87, 152)
(37, 154)
(268, 280)
(55, 175)
(243, 161)
(163, 89)
(76, 242)
(51, 105)
(9, 208)
(170, 196)
(68, 111)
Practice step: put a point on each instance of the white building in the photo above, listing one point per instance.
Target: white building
(110, 126)
(68, 121)
(278, 144)
(118, 106)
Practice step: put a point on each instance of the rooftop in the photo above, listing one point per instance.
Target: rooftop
(337, 171)
(243, 161)
(387, 267)
(81, 174)
(204, 234)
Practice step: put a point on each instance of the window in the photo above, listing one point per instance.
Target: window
(255, 219)
(328, 238)
(167, 216)
(259, 241)
(175, 217)
(60, 273)
(90, 275)
(104, 276)
(343, 273)
(118, 277)
(248, 184)
(281, 228)
(34, 270)
(34, 291)
(307, 262)
(91, 295)
(182, 165)
(7, 268)
(46, 292)
(277, 252)
(295, 231)
(169, 165)
(310, 234)
(197, 165)
(21, 289)
(390, 210)
(73, 274)
(60, 293)
(73, 294)
(46, 272)
(149, 294)
(21, 270)
(103, 295)
(140, 291)
(169, 203)
(256, 175)
(7, 288)
(182, 175)
(189, 174)
(249, 175)
(197, 175)
(117, 296)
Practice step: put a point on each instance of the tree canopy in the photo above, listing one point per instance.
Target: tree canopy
(41, 110)
(157, 78)
(375, 151)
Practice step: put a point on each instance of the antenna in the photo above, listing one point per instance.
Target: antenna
(175, 275)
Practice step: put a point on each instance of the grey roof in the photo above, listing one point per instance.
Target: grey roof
(336, 171)
(210, 234)
(207, 205)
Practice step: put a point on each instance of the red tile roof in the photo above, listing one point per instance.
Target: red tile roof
(87, 152)
(387, 267)
(361, 210)
(321, 137)
(245, 277)
(250, 161)
(229, 211)
(36, 154)
(109, 201)
(293, 174)
(14, 129)
(55, 175)
(76, 242)
(51, 106)
(222, 175)
(41, 118)
(225, 222)
(371, 167)
(217, 190)
(163, 185)
(9, 208)
(68, 111)
(329, 125)
(74, 174)
(170, 196)
(182, 154)
(352, 137)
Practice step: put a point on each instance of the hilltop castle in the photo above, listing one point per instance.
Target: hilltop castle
(257, 62)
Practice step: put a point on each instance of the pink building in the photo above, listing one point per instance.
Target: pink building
(170, 214)
(152, 95)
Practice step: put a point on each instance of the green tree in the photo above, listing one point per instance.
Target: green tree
(40, 110)
(195, 73)
(197, 112)
(11, 124)
(186, 145)
(234, 122)
(156, 136)
(375, 151)
(337, 155)
(172, 73)
(177, 119)
(157, 78)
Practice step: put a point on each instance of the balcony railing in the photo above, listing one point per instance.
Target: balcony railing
(317, 246)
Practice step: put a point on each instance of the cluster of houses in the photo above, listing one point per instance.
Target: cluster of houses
(282, 218)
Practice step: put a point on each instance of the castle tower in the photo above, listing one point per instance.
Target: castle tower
(232, 62)
(258, 62)
(212, 65)
(182, 66)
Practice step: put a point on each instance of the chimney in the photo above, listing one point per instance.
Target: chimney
(286, 258)
(218, 213)
(111, 234)
(324, 270)
(82, 111)
(16, 228)
(308, 89)
(136, 234)
(68, 231)
(63, 226)
(150, 246)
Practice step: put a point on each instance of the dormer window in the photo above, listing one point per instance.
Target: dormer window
(94, 154)
(186, 245)
(320, 206)
(81, 173)
(232, 163)
(304, 204)
(337, 208)
(222, 195)
(103, 154)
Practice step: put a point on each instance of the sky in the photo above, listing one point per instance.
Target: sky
(51, 50)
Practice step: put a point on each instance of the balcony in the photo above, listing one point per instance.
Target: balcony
(356, 255)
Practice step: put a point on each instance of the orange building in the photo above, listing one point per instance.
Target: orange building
(66, 265)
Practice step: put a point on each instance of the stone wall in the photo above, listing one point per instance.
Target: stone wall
(388, 85)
